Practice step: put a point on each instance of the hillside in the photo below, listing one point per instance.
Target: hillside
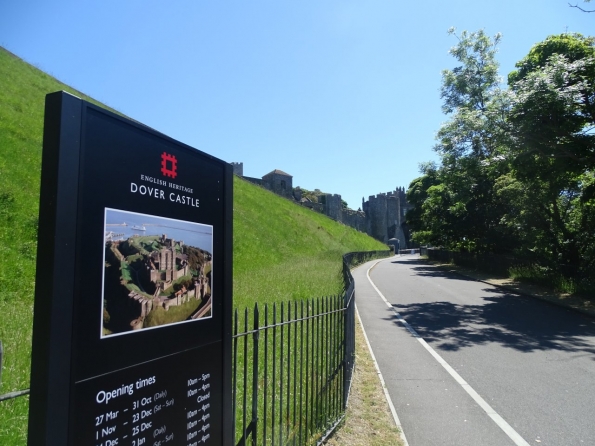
(285, 251)
(281, 251)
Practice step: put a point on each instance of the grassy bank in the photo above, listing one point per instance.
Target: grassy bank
(537, 275)
(22, 95)
(281, 251)
(368, 420)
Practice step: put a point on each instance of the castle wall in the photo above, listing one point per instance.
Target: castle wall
(156, 275)
(355, 219)
(280, 184)
(385, 214)
(257, 181)
(376, 217)
(181, 272)
(238, 169)
(382, 216)
(332, 206)
(392, 215)
(400, 234)
(318, 207)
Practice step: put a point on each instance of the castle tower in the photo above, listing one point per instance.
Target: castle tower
(238, 169)
(392, 215)
(376, 216)
(279, 182)
(385, 214)
(332, 206)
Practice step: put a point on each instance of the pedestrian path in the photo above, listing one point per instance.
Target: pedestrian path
(432, 407)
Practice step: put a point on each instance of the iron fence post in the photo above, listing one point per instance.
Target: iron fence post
(234, 390)
(255, 377)
(281, 377)
(346, 350)
(266, 376)
(274, 374)
(245, 379)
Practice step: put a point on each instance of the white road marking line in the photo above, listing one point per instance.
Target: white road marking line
(386, 394)
(502, 424)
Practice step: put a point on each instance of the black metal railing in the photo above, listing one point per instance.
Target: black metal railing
(289, 375)
(411, 251)
(293, 365)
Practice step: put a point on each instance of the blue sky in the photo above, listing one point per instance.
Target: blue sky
(343, 95)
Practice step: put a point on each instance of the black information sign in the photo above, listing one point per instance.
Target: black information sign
(132, 325)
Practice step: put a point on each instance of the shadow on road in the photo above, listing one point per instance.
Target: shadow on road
(511, 320)
(412, 261)
(426, 269)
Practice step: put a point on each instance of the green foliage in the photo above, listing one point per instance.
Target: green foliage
(573, 46)
(552, 120)
(141, 244)
(469, 86)
(518, 165)
(125, 271)
(417, 194)
(311, 195)
(459, 208)
(552, 279)
(553, 111)
(195, 257)
(553, 105)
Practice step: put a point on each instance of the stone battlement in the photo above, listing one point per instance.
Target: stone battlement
(381, 217)
(238, 169)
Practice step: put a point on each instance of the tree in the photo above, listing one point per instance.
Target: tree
(578, 7)
(472, 145)
(417, 194)
(552, 123)
(572, 45)
(553, 110)
(517, 168)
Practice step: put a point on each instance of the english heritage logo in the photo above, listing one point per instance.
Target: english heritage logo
(169, 168)
(169, 165)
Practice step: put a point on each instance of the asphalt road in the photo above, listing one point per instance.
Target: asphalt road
(515, 370)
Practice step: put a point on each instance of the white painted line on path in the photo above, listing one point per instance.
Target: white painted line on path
(501, 422)
(386, 394)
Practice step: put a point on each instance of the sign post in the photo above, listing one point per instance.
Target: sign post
(132, 324)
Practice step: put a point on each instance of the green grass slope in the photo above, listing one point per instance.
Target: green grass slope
(281, 251)
(284, 251)
(22, 97)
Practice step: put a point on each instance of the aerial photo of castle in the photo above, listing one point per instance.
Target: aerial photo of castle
(152, 279)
